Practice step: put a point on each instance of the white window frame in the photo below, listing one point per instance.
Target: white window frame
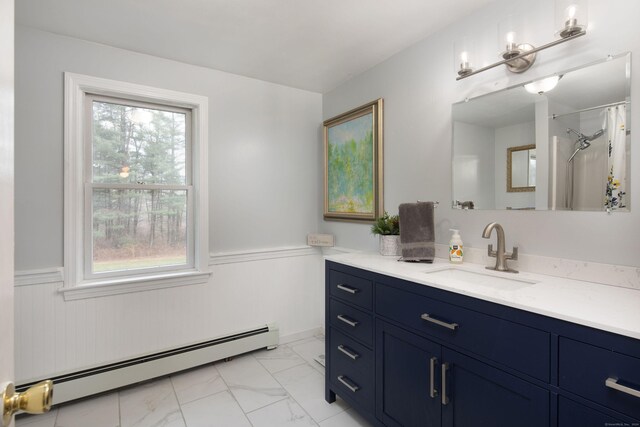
(79, 282)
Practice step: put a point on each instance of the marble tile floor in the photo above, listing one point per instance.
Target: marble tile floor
(265, 388)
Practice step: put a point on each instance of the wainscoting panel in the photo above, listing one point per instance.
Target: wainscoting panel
(54, 336)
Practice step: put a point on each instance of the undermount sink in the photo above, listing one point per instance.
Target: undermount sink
(455, 275)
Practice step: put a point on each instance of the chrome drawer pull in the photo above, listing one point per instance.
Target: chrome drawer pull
(445, 398)
(352, 323)
(428, 318)
(348, 289)
(348, 352)
(613, 383)
(352, 387)
(432, 374)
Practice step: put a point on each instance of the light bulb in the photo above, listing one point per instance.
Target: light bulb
(571, 11)
(464, 57)
(511, 37)
(511, 41)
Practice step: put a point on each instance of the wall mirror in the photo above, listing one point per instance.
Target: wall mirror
(558, 143)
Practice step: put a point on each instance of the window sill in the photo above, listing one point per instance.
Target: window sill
(133, 284)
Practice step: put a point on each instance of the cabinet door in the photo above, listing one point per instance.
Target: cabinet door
(480, 395)
(407, 376)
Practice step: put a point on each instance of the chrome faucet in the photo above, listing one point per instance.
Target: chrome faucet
(500, 255)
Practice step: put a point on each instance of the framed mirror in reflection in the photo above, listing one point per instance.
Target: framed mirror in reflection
(564, 148)
(521, 168)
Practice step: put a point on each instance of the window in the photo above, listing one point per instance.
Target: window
(135, 187)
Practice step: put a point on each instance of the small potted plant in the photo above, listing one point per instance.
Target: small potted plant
(388, 227)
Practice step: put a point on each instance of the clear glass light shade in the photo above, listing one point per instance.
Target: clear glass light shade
(463, 56)
(509, 34)
(542, 86)
(571, 17)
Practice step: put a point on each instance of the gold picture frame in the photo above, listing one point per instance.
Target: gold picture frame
(353, 164)
(511, 186)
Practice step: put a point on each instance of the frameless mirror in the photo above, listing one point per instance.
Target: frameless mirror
(567, 148)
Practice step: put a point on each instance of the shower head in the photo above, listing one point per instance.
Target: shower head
(585, 138)
(583, 142)
(596, 135)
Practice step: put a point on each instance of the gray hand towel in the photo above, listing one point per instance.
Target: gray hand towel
(417, 231)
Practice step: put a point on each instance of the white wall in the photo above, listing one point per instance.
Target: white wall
(506, 137)
(419, 86)
(264, 194)
(475, 160)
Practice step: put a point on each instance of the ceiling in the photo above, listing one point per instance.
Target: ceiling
(308, 44)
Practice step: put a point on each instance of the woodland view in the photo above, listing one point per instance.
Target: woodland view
(139, 185)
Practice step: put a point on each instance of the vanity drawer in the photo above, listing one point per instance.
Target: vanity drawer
(352, 378)
(351, 321)
(350, 288)
(349, 355)
(586, 369)
(517, 346)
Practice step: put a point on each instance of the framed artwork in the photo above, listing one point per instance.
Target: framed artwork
(353, 164)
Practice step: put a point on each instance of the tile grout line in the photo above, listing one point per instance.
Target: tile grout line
(119, 409)
(175, 394)
(231, 393)
(289, 394)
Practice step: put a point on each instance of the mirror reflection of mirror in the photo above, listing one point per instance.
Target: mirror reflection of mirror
(578, 138)
(521, 168)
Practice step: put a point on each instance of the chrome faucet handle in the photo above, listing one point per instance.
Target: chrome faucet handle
(513, 255)
(491, 252)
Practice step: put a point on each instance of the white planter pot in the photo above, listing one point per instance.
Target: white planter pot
(390, 245)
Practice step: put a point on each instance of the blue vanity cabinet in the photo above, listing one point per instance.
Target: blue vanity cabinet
(414, 355)
(421, 381)
(573, 414)
(407, 378)
(350, 361)
(477, 394)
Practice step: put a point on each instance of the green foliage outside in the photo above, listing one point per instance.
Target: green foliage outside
(133, 145)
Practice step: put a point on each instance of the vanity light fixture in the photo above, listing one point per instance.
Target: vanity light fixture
(571, 19)
(543, 85)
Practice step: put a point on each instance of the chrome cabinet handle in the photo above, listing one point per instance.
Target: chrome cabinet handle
(348, 352)
(432, 373)
(348, 289)
(428, 318)
(352, 323)
(352, 387)
(613, 383)
(445, 398)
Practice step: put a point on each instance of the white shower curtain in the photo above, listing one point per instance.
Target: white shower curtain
(615, 123)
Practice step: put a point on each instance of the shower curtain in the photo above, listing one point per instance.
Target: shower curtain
(615, 119)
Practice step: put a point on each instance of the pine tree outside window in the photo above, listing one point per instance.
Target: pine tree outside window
(139, 185)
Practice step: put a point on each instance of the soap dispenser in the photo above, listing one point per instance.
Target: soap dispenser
(456, 252)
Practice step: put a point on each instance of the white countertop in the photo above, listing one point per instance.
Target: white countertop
(609, 308)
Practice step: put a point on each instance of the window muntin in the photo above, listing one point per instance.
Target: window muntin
(138, 188)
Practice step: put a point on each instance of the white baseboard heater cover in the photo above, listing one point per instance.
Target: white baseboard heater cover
(107, 377)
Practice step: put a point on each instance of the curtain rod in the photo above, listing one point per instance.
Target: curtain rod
(555, 116)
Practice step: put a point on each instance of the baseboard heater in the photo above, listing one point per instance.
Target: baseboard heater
(103, 378)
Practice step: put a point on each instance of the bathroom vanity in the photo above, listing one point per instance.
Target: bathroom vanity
(429, 345)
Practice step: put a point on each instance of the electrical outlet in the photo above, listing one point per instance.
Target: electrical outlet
(320, 239)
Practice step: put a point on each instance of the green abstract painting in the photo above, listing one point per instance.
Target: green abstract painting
(350, 166)
(353, 164)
